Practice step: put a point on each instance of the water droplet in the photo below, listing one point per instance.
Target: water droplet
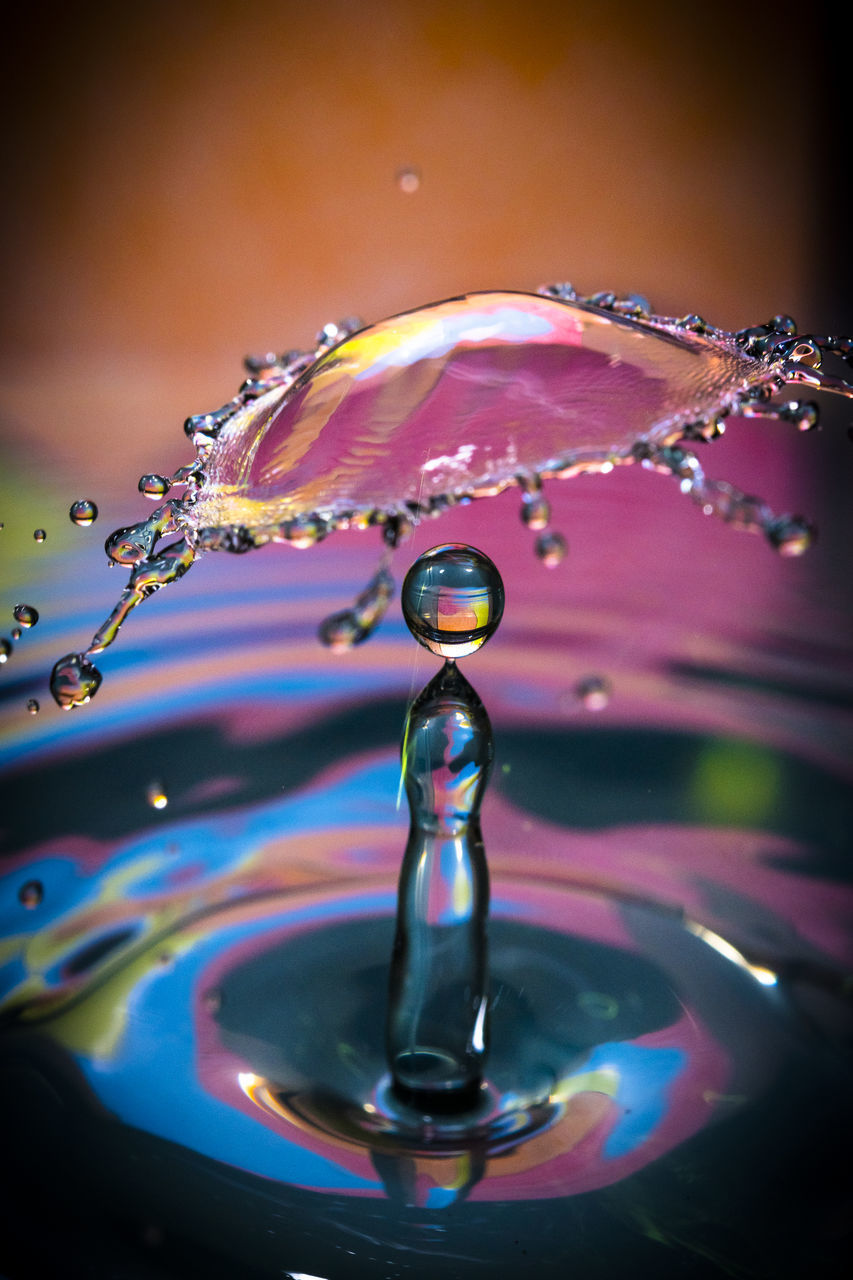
(535, 510)
(26, 615)
(594, 692)
(31, 894)
(16, 633)
(74, 680)
(83, 512)
(5, 649)
(453, 599)
(39, 535)
(33, 706)
(156, 796)
(352, 626)
(790, 535)
(551, 549)
(154, 486)
(408, 180)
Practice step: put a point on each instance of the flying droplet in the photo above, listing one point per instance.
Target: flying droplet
(551, 549)
(84, 512)
(74, 680)
(26, 615)
(535, 507)
(39, 535)
(453, 599)
(156, 796)
(33, 706)
(16, 633)
(5, 649)
(594, 692)
(154, 486)
(791, 535)
(408, 180)
(31, 894)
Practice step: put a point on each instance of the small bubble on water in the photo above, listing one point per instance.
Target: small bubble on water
(551, 549)
(154, 486)
(453, 600)
(83, 512)
(26, 615)
(408, 179)
(5, 649)
(33, 706)
(593, 692)
(156, 796)
(74, 680)
(31, 894)
(39, 535)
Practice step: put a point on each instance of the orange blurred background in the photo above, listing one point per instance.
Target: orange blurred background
(190, 181)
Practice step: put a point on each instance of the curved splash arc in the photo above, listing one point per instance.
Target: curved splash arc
(387, 424)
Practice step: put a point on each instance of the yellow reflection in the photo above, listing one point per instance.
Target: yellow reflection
(736, 782)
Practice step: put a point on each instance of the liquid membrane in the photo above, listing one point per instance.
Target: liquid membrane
(390, 423)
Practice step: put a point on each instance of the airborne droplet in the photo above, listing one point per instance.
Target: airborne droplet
(26, 615)
(39, 535)
(408, 180)
(31, 894)
(154, 486)
(33, 706)
(5, 649)
(453, 599)
(551, 549)
(16, 633)
(74, 680)
(594, 692)
(84, 512)
(156, 796)
(791, 535)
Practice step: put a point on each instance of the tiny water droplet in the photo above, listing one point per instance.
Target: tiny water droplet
(39, 535)
(156, 796)
(408, 180)
(551, 549)
(154, 486)
(594, 692)
(535, 510)
(33, 706)
(83, 512)
(16, 633)
(74, 680)
(26, 615)
(453, 599)
(790, 535)
(5, 649)
(31, 894)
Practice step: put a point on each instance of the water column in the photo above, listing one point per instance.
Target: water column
(437, 1029)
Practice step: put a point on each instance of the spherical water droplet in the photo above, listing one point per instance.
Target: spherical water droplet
(408, 180)
(594, 692)
(551, 549)
(83, 512)
(16, 633)
(453, 599)
(31, 894)
(156, 796)
(74, 680)
(5, 649)
(535, 510)
(26, 615)
(791, 535)
(33, 706)
(154, 486)
(39, 535)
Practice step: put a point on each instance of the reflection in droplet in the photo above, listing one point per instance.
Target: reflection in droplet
(39, 535)
(154, 486)
(33, 706)
(16, 633)
(26, 615)
(453, 599)
(31, 894)
(156, 796)
(83, 512)
(551, 549)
